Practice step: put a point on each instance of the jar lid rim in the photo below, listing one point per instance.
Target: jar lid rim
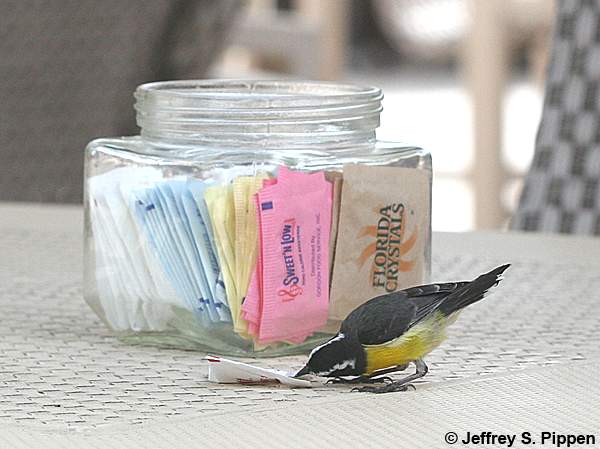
(216, 106)
(249, 88)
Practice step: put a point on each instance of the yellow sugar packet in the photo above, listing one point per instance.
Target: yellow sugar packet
(246, 229)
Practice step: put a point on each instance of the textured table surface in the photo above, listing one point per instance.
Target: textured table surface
(66, 380)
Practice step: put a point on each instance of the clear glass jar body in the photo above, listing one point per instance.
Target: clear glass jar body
(147, 260)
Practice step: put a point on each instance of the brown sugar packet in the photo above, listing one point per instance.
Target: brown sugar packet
(336, 178)
(383, 233)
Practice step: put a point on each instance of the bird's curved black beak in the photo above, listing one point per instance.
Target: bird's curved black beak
(302, 372)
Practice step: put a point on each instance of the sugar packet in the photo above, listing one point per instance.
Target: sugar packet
(383, 233)
(172, 222)
(225, 371)
(336, 179)
(219, 202)
(246, 229)
(134, 292)
(295, 224)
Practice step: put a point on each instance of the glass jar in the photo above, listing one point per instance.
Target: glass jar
(250, 217)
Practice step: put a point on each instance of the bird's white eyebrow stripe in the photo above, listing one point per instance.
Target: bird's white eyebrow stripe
(338, 367)
(338, 337)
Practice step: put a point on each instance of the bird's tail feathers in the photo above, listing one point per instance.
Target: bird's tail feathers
(473, 291)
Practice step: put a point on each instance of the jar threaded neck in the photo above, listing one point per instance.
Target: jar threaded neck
(213, 110)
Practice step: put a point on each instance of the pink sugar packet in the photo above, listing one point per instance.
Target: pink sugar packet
(280, 321)
(251, 304)
(252, 315)
(295, 223)
(252, 300)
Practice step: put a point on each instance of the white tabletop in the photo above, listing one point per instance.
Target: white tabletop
(525, 359)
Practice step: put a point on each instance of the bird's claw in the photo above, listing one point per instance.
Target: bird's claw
(389, 388)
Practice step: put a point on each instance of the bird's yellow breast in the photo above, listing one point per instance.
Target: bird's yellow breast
(412, 345)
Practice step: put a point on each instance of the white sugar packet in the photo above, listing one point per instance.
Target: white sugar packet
(225, 371)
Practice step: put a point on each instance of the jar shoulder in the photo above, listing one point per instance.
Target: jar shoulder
(128, 143)
(137, 144)
(375, 152)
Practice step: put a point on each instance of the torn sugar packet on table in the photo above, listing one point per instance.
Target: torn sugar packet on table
(225, 371)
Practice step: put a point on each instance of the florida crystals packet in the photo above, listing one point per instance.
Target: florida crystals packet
(276, 254)
(383, 233)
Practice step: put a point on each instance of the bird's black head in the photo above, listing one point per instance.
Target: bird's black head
(340, 356)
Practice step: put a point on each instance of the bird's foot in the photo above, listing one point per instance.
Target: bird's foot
(360, 380)
(399, 385)
(389, 388)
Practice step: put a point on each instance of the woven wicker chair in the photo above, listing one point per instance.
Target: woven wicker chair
(68, 70)
(562, 188)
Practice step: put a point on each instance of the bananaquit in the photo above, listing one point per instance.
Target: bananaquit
(389, 332)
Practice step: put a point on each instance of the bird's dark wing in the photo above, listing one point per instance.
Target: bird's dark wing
(380, 319)
(386, 317)
(428, 297)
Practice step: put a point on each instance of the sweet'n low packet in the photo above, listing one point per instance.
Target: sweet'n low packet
(293, 269)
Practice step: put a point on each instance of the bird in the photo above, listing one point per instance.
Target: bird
(389, 332)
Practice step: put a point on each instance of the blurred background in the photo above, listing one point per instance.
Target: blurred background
(462, 78)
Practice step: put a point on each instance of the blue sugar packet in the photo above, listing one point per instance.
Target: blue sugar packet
(177, 257)
(196, 189)
(175, 228)
(203, 235)
(147, 213)
(208, 259)
(170, 192)
(200, 238)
